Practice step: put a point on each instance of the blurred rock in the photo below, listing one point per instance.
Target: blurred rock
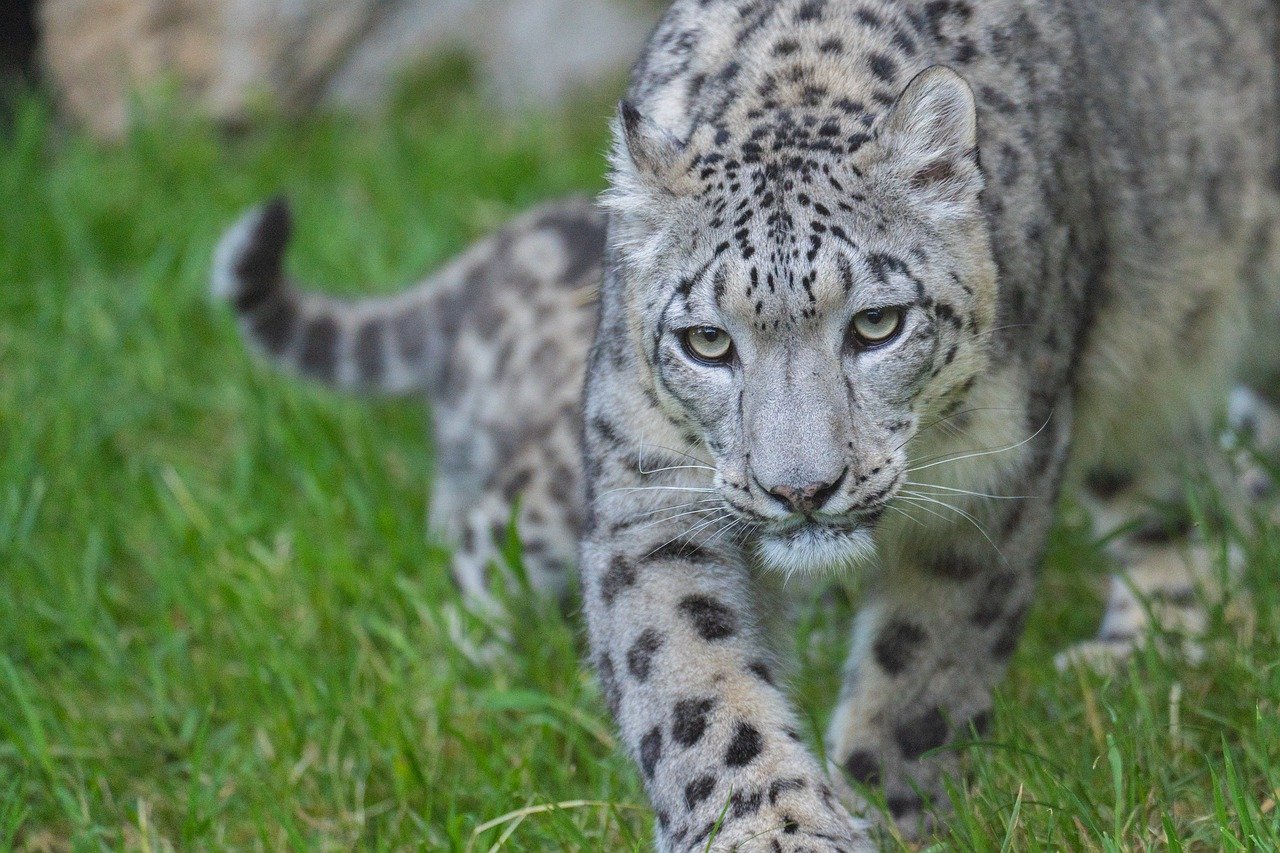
(223, 54)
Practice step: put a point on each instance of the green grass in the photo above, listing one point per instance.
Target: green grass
(222, 626)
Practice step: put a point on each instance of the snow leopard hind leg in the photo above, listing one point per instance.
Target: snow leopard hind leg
(1176, 566)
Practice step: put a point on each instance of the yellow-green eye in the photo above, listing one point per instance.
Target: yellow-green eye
(877, 325)
(709, 344)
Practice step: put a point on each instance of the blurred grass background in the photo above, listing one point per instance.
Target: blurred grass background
(221, 625)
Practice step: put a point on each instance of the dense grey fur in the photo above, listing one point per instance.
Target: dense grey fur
(1079, 220)
(498, 339)
(1076, 283)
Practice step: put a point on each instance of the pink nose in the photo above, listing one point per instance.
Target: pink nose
(807, 498)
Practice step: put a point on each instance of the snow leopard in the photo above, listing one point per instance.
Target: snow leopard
(874, 281)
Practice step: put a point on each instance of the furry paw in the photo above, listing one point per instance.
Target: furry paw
(790, 816)
(1253, 427)
(1165, 594)
(780, 832)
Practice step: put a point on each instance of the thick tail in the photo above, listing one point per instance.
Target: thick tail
(379, 345)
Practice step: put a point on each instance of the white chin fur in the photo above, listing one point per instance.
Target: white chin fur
(812, 549)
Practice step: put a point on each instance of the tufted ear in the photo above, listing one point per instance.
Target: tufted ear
(652, 152)
(930, 138)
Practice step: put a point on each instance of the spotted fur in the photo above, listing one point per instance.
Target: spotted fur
(1074, 205)
(497, 340)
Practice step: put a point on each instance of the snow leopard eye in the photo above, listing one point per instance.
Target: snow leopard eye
(708, 344)
(877, 326)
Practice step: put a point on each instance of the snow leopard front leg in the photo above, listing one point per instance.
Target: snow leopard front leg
(681, 655)
(935, 635)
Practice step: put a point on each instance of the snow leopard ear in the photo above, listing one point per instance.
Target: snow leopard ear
(930, 138)
(653, 153)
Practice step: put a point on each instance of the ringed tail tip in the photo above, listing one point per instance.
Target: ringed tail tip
(249, 261)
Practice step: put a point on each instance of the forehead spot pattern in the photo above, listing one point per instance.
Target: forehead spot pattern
(773, 144)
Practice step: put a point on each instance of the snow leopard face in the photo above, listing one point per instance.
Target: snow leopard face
(806, 309)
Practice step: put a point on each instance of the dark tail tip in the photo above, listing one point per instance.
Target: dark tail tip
(274, 226)
(249, 264)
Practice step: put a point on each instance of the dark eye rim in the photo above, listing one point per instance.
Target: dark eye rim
(683, 336)
(865, 343)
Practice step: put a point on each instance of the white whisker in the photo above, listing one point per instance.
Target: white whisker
(665, 519)
(932, 512)
(739, 535)
(687, 533)
(976, 454)
(707, 523)
(708, 539)
(642, 470)
(736, 527)
(1002, 328)
(688, 456)
(675, 507)
(943, 421)
(902, 512)
(955, 431)
(698, 490)
(967, 492)
(955, 509)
